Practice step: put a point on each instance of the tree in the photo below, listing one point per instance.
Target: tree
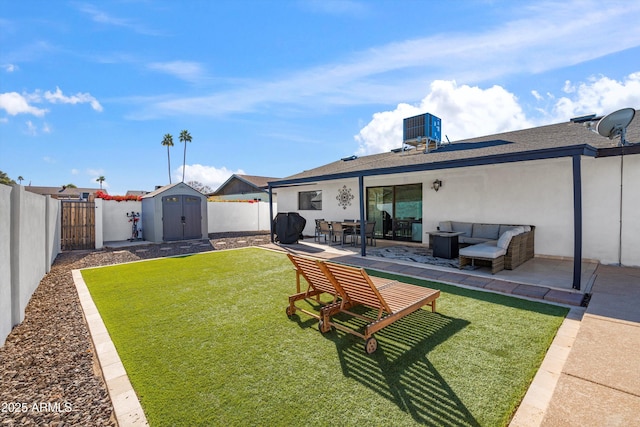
(168, 142)
(100, 179)
(197, 185)
(4, 179)
(70, 185)
(20, 179)
(184, 137)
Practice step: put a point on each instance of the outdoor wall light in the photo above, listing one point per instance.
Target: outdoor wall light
(436, 184)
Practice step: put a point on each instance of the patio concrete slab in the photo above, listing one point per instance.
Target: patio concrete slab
(478, 282)
(589, 404)
(530, 291)
(564, 297)
(501, 286)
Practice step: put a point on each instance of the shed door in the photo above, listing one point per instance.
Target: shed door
(181, 217)
(191, 212)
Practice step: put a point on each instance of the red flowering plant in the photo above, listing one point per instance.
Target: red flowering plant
(105, 196)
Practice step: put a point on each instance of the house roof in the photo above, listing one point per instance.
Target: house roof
(62, 192)
(260, 183)
(544, 142)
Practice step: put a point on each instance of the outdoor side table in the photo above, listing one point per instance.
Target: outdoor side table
(445, 244)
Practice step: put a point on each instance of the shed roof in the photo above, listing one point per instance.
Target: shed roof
(170, 186)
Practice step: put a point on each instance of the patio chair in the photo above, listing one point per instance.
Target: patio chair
(317, 233)
(369, 233)
(325, 230)
(339, 230)
(394, 300)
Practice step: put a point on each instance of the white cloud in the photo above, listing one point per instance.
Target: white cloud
(75, 171)
(10, 68)
(79, 98)
(31, 128)
(470, 111)
(102, 17)
(185, 70)
(465, 112)
(207, 175)
(600, 95)
(14, 103)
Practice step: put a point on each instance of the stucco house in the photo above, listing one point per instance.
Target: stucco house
(580, 190)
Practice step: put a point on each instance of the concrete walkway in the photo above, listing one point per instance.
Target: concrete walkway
(600, 382)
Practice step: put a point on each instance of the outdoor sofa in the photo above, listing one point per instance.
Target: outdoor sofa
(490, 244)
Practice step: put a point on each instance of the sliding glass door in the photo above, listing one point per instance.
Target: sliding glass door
(397, 211)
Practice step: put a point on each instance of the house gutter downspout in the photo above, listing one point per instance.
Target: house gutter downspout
(577, 222)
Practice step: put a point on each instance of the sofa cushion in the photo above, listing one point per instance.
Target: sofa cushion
(485, 231)
(445, 226)
(462, 227)
(505, 239)
(473, 240)
(484, 250)
(504, 228)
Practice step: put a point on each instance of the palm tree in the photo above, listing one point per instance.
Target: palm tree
(168, 142)
(100, 179)
(20, 179)
(184, 137)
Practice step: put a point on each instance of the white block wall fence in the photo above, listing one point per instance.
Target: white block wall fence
(112, 224)
(29, 243)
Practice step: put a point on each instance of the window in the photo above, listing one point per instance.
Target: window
(310, 200)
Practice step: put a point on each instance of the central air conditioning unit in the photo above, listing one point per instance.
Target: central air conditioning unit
(422, 129)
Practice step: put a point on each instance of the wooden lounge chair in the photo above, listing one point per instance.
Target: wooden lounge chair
(317, 284)
(393, 300)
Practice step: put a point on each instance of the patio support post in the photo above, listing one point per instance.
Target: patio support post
(363, 222)
(271, 212)
(577, 222)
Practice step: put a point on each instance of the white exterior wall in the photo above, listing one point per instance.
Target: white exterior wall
(5, 262)
(116, 225)
(603, 224)
(538, 193)
(331, 211)
(631, 212)
(239, 216)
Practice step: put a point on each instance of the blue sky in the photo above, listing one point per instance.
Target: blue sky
(272, 88)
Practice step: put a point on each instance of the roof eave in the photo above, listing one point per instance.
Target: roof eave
(523, 156)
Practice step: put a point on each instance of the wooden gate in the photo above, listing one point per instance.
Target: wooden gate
(78, 225)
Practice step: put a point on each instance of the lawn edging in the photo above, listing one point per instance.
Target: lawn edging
(126, 405)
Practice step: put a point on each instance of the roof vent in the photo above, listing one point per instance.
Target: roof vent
(348, 159)
(583, 119)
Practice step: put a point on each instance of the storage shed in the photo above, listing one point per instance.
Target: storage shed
(174, 212)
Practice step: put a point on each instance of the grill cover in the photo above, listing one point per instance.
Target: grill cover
(288, 227)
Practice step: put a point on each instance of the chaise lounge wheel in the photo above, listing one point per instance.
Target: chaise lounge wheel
(321, 326)
(290, 311)
(371, 345)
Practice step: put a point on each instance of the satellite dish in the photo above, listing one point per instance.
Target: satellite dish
(615, 124)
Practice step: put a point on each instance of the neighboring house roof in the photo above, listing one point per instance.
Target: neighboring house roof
(62, 192)
(136, 193)
(544, 142)
(241, 184)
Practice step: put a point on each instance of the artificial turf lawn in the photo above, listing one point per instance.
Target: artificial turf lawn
(205, 341)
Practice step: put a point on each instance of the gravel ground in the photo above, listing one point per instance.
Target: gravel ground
(49, 374)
